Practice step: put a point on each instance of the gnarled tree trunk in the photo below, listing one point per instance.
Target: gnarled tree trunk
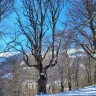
(42, 82)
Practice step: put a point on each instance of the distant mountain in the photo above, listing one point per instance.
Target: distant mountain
(13, 55)
(76, 52)
(6, 60)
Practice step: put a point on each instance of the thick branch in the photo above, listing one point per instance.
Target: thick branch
(50, 64)
(88, 52)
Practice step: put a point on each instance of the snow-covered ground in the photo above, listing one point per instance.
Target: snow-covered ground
(87, 91)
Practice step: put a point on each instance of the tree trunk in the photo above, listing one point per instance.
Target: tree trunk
(76, 81)
(70, 88)
(69, 80)
(42, 81)
(62, 86)
(95, 75)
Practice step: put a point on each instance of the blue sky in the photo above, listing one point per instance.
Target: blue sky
(10, 25)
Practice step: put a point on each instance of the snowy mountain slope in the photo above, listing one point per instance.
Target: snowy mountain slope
(87, 91)
(7, 57)
(12, 55)
(5, 61)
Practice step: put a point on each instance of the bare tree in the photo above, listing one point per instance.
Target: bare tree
(61, 70)
(40, 15)
(83, 21)
(16, 83)
(76, 64)
(66, 44)
(95, 73)
(88, 69)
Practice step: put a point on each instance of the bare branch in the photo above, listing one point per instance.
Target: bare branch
(83, 23)
(88, 51)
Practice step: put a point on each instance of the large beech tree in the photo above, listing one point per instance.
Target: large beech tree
(41, 17)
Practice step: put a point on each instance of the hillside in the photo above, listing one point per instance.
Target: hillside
(86, 91)
(18, 74)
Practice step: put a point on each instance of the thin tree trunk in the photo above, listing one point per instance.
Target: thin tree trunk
(95, 74)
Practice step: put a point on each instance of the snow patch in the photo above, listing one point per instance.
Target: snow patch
(8, 54)
(87, 91)
(9, 75)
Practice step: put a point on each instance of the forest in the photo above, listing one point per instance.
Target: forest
(47, 46)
